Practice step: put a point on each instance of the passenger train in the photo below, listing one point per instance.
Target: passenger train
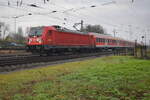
(57, 39)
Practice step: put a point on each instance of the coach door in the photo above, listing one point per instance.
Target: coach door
(92, 41)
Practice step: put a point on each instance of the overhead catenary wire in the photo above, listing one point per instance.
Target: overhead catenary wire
(48, 13)
(63, 12)
(35, 13)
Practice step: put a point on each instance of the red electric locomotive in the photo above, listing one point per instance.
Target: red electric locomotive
(51, 39)
(55, 39)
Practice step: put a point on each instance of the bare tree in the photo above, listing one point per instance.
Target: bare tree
(27, 30)
(94, 28)
(20, 31)
(1, 29)
(4, 30)
(19, 36)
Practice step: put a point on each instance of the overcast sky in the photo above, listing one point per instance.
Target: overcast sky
(130, 20)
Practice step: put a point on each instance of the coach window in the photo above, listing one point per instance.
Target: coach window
(117, 41)
(96, 39)
(99, 39)
(114, 41)
(103, 40)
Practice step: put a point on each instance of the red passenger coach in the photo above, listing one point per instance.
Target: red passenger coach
(107, 41)
(104, 41)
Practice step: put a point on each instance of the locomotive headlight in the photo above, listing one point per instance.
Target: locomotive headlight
(39, 40)
(30, 40)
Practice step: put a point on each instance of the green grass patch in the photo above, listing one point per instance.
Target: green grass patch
(108, 78)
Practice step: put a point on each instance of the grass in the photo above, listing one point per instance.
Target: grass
(108, 78)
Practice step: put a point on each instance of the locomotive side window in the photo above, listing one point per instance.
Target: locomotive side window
(49, 32)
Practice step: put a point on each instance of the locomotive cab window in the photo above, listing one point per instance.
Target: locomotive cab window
(36, 31)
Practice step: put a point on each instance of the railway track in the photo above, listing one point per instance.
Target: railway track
(8, 64)
(5, 56)
(11, 52)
